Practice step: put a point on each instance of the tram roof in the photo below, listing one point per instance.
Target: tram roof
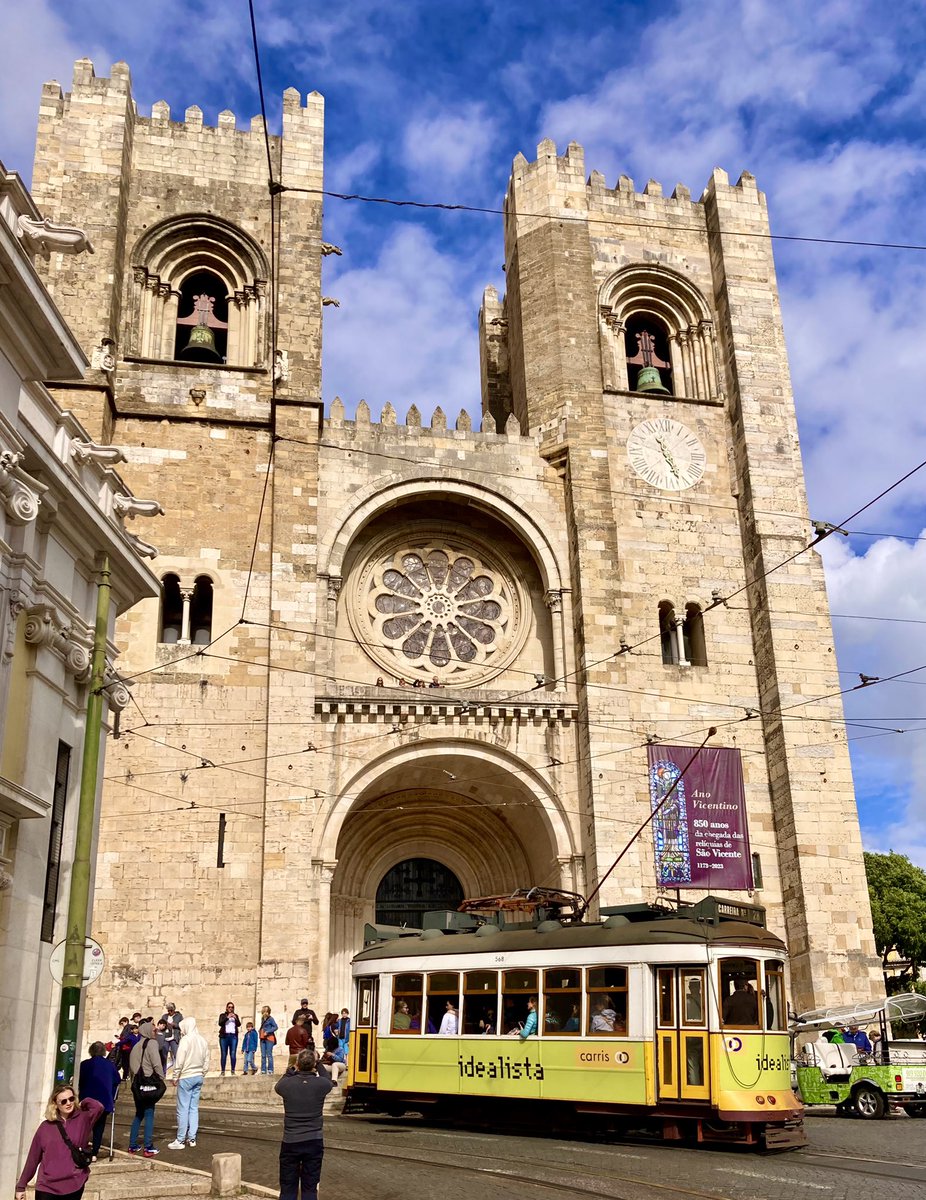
(433, 943)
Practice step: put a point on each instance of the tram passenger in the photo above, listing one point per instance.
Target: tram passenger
(401, 1019)
(529, 1028)
(741, 1007)
(603, 1015)
(449, 1023)
(487, 1024)
(571, 1024)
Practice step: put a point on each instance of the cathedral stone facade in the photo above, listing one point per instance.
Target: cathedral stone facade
(386, 668)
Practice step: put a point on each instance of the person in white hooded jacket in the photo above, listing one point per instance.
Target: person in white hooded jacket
(190, 1068)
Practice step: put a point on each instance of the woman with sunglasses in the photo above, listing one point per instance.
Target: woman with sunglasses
(67, 1125)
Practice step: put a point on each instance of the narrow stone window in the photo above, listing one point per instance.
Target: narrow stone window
(171, 622)
(693, 636)
(646, 344)
(201, 612)
(667, 634)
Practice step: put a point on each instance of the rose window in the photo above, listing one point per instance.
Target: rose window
(438, 610)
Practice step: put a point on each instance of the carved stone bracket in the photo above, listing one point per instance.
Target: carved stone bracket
(17, 604)
(281, 367)
(334, 586)
(142, 548)
(130, 506)
(20, 494)
(85, 452)
(103, 357)
(43, 627)
(44, 237)
(116, 690)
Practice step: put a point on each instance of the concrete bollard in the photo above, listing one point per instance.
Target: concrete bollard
(226, 1174)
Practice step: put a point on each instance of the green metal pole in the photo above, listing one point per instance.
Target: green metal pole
(79, 899)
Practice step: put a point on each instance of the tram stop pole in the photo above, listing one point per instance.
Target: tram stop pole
(79, 898)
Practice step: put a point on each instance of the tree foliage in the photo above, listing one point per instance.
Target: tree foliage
(897, 890)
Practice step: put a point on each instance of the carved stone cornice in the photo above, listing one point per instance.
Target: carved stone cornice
(44, 236)
(130, 506)
(84, 452)
(20, 494)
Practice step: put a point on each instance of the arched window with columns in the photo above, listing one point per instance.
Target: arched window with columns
(649, 298)
(178, 262)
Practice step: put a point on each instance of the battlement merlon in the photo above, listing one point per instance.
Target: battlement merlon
(555, 185)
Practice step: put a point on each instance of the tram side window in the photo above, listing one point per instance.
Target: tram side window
(407, 991)
(774, 997)
(607, 1000)
(480, 1002)
(562, 1000)
(517, 987)
(443, 1014)
(739, 992)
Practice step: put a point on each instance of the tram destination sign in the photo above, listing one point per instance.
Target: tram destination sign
(700, 835)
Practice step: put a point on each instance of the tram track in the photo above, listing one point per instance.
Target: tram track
(573, 1179)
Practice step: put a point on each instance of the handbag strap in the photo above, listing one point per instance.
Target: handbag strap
(64, 1133)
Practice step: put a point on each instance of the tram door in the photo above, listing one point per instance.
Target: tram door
(681, 1034)
(363, 1039)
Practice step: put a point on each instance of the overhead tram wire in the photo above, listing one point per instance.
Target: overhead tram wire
(438, 206)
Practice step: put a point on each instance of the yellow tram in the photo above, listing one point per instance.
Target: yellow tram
(667, 1017)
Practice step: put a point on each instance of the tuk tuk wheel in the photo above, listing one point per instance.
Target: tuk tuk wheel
(869, 1102)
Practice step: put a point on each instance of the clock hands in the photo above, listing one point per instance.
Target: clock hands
(670, 462)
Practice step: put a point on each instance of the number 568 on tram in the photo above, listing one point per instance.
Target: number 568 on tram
(674, 1020)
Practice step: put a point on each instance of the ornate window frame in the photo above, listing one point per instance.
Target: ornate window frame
(658, 290)
(416, 569)
(177, 248)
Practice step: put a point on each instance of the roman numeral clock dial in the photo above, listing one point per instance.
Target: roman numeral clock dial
(666, 454)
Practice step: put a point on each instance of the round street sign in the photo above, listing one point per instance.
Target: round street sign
(94, 961)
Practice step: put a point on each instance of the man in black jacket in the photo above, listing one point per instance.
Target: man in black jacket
(303, 1091)
(309, 1019)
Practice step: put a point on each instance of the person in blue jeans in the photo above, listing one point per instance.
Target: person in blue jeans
(191, 1066)
(99, 1080)
(229, 1024)
(145, 1060)
(268, 1039)
(249, 1046)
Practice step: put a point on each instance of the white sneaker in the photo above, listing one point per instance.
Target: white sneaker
(192, 1143)
(176, 1144)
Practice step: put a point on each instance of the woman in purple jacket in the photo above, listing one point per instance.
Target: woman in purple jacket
(59, 1176)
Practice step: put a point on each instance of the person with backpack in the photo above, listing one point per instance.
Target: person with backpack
(58, 1149)
(148, 1086)
(98, 1080)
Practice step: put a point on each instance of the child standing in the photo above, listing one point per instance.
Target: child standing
(249, 1046)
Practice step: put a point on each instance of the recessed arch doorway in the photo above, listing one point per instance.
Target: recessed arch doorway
(481, 816)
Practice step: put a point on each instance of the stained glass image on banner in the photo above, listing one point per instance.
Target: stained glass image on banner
(670, 827)
(700, 835)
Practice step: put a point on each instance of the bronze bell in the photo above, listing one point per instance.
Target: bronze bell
(201, 346)
(648, 380)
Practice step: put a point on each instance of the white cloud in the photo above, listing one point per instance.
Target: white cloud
(447, 146)
(404, 331)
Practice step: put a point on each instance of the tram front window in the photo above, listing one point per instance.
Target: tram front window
(739, 992)
(562, 1000)
(407, 991)
(480, 1002)
(774, 997)
(607, 1000)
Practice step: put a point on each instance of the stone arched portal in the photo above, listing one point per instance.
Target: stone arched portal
(485, 819)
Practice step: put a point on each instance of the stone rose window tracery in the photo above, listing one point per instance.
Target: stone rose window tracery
(440, 608)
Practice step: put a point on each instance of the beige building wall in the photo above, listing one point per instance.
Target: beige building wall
(526, 762)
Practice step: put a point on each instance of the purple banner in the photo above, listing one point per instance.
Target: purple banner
(700, 834)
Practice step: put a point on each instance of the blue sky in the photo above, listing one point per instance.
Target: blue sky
(822, 102)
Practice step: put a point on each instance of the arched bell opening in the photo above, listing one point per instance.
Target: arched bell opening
(202, 319)
(171, 615)
(646, 347)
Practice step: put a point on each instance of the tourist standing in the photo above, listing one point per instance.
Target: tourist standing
(268, 1038)
(249, 1048)
(229, 1024)
(303, 1092)
(148, 1086)
(56, 1147)
(98, 1080)
(172, 1019)
(190, 1069)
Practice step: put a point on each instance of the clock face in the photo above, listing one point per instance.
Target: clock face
(666, 454)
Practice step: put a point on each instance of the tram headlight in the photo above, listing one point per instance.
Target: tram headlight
(760, 1099)
(772, 1100)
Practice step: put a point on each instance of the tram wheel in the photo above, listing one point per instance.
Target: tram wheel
(869, 1102)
